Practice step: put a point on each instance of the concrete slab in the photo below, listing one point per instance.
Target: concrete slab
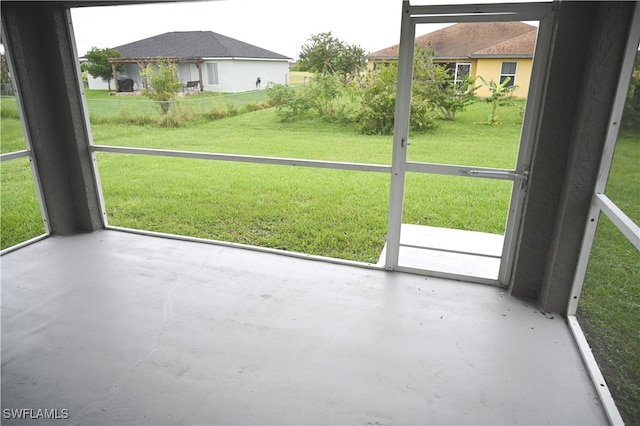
(123, 329)
(449, 251)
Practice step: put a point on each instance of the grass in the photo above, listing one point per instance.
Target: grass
(12, 137)
(260, 135)
(299, 77)
(340, 213)
(296, 209)
(105, 106)
(609, 309)
(322, 212)
(20, 217)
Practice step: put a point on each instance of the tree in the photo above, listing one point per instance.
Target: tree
(499, 92)
(326, 54)
(163, 81)
(98, 63)
(437, 86)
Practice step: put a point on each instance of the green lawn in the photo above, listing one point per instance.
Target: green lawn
(337, 213)
(103, 104)
(20, 217)
(323, 212)
(609, 310)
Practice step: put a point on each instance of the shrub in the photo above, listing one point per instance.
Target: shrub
(179, 116)
(163, 83)
(376, 115)
(288, 103)
(421, 118)
(377, 107)
(322, 94)
(437, 86)
(255, 106)
(215, 114)
(326, 96)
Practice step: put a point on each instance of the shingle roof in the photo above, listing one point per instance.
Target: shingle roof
(466, 39)
(194, 44)
(523, 45)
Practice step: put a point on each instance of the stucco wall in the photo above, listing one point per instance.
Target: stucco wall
(241, 75)
(489, 69)
(233, 75)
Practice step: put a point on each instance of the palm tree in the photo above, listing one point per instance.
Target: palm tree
(498, 93)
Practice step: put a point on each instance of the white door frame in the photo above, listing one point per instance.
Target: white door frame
(412, 15)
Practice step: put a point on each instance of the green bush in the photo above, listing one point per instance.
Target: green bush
(215, 114)
(377, 110)
(289, 104)
(326, 96)
(436, 85)
(163, 83)
(377, 107)
(323, 94)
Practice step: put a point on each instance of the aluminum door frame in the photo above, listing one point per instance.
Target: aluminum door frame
(412, 15)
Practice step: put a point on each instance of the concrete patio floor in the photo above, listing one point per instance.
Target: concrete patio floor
(119, 328)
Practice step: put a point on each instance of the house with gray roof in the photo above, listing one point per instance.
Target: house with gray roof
(207, 61)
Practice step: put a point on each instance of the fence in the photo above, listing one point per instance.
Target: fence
(199, 103)
(6, 89)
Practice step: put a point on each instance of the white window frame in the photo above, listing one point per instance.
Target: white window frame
(457, 81)
(512, 82)
(213, 77)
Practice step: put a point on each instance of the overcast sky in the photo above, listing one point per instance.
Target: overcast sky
(281, 26)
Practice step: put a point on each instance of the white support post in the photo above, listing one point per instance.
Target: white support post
(400, 135)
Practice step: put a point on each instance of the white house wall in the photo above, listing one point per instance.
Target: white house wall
(97, 83)
(241, 75)
(233, 75)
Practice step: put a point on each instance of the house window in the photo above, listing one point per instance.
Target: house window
(184, 71)
(508, 71)
(212, 73)
(463, 70)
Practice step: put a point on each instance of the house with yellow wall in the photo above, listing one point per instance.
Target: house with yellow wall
(492, 50)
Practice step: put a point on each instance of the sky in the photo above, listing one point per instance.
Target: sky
(281, 26)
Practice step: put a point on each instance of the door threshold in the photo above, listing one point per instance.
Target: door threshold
(449, 251)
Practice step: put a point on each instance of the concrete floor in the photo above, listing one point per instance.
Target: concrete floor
(120, 328)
